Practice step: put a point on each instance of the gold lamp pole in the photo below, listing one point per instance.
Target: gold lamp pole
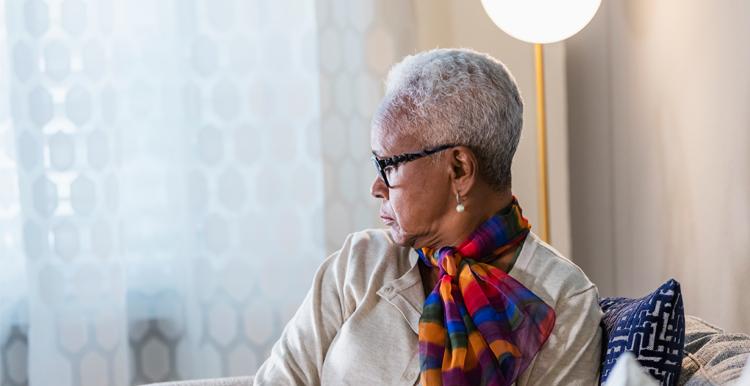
(540, 22)
(541, 143)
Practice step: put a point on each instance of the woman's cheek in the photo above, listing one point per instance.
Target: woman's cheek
(406, 215)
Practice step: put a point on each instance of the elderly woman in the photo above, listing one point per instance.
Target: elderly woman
(457, 290)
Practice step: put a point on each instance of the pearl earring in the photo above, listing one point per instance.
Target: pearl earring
(460, 207)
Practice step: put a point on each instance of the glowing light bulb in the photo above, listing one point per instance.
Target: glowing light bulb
(541, 21)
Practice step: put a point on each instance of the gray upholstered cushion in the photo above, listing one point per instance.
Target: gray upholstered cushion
(712, 356)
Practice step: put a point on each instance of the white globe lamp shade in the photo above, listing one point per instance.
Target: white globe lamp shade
(541, 21)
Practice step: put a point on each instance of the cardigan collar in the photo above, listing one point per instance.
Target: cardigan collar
(406, 293)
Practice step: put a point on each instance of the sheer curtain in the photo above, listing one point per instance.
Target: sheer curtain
(171, 174)
(161, 197)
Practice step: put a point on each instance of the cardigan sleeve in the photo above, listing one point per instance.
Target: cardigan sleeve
(297, 357)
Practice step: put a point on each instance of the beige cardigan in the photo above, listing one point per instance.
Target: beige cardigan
(358, 323)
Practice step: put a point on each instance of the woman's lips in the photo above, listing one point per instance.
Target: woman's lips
(386, 220)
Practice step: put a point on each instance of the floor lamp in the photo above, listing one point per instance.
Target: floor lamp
(541, 22)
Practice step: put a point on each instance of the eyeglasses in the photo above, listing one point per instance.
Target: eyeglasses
(386, 165)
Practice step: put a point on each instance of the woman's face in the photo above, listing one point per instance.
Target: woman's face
(419, 198)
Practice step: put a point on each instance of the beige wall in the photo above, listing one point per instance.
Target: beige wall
(659, 97)
(453, 23)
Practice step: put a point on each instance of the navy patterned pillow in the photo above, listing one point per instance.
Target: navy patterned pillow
(652, 328)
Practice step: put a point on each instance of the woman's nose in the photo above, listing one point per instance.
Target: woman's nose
(378, 188)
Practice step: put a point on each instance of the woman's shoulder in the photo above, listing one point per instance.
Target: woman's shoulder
(371, 254)
(549, 274)
(370, 245)
(371, 238)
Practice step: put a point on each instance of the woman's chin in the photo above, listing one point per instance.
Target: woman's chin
(395, 234)
(398, 235)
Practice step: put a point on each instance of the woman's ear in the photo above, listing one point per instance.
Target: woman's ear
(464, 168)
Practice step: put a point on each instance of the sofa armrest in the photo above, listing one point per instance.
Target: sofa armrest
(230, 381)
(712, 356)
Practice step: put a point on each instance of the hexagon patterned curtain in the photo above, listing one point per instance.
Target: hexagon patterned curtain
(171, 174)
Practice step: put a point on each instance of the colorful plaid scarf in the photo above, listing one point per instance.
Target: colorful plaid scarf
(479, 326)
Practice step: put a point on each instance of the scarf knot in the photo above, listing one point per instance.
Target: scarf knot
(448, 261)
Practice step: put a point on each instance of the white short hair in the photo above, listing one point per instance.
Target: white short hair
(457, 96)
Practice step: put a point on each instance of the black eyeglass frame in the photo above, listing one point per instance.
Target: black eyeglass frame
(382, 164)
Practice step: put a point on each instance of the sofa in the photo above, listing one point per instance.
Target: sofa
(712, 357)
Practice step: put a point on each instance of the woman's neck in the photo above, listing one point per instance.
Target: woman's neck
(480, 205)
